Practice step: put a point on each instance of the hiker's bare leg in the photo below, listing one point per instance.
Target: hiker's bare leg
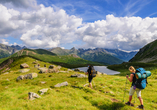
(141, 100)
(130, 98)
(90, 85)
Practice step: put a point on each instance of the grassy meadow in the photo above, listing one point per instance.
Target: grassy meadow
(107, 92)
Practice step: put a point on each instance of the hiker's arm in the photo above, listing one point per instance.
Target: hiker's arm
(131, 77)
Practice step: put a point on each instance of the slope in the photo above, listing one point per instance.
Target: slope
(70, 61)
(146, 54)
(106, 95)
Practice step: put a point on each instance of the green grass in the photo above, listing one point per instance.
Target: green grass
(107, 93)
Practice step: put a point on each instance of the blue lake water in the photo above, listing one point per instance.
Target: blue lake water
(102, 69)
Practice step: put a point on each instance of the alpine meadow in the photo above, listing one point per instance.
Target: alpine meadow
(78, 55)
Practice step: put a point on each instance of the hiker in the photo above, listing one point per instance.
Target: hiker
(133, 88)
(89, 75)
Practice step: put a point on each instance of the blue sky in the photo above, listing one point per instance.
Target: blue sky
(123, 24)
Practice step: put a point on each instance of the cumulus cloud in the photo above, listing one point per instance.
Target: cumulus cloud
(21, 3)
(127, 33)
(46, 28)
(3, 41)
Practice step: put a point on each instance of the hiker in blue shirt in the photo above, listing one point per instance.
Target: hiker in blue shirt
(133, 88)
(89, 75)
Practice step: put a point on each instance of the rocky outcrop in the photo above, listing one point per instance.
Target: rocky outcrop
(53, 69)
(43, 70)
(27, 76)
(33, 95)
(42, 91)
(79, 75)
(24, 65)
(61, 84)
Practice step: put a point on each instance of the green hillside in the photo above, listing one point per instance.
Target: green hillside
(101, 57)
(107, 93)
(96, 55)
(66, 60)
(147, 54)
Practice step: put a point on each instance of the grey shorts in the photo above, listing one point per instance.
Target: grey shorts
(138, 91)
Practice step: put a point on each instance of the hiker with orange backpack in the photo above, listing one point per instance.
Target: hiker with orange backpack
(133, 88)
(91, 73)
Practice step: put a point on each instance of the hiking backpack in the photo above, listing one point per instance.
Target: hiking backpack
(93, 72)
(141, 78)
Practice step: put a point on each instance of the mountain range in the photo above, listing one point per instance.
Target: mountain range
(104, 56)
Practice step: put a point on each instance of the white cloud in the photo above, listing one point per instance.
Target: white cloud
(21, 3)
(3, 41)
(46, 27)
(126, 33)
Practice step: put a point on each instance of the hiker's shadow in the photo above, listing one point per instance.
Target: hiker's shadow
(112, 106)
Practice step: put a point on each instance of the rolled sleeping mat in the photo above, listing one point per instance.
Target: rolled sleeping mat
(139, 76)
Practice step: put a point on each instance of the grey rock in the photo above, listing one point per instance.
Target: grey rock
(24, 65)
(79, 75)
(43, 70)
(61, 84)
(33, 95)
(42, 91)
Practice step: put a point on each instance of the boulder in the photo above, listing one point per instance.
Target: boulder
(59, 67)
(24, 65)
(51, 66)
(42, 91)
(61, 84)
(27, 76)
(79, 75)
(76, 69)
(20, 78)
(24, 70)
(33, 96)
(98, 73)
(54, 70)
(43, 70)
(30, 76)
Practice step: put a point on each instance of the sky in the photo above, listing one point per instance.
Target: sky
(114, 24)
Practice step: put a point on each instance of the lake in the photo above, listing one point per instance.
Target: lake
(102, 69)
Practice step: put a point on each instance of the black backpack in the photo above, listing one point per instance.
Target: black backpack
(93, 72)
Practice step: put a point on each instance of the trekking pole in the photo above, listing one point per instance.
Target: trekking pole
(94, 84)
(125, 90)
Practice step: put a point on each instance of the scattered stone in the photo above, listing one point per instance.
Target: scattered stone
(51, 66)
(54, 70)
(43, 70)
(42, 82)
(42, 91)
(76, 69)
(24, 70)
(79, 75)
(70, 70)
(63, 71)
(33, 96)
(27, 76)
(30, 76)
(98, 73)
(20, 78)
(61, 84)
(6, 73)
(59, 67)
(24, 65)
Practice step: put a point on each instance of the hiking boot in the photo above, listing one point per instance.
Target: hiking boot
(141, 107)
(128, 103)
